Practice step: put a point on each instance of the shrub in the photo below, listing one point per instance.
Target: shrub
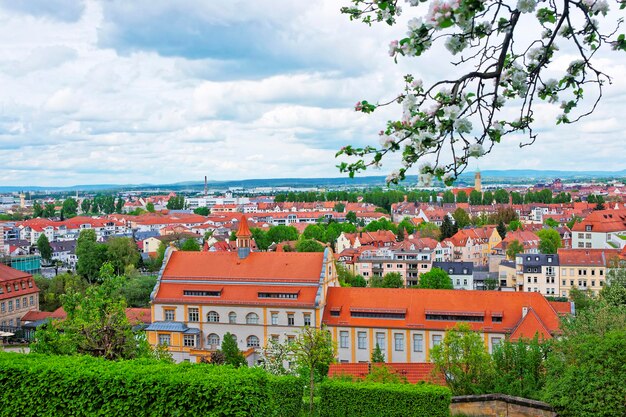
(348, 399)
(39, 385)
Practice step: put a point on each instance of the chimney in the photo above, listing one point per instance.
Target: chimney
(205, 185)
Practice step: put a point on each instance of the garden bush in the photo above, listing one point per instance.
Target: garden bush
(40, 385)
(352, 399)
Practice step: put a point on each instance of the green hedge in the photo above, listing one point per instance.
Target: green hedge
(352, 399)
(39, 385)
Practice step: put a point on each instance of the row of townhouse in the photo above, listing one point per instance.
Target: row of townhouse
(18, 295)
(261, 296)
(69, 229)
(556, 274)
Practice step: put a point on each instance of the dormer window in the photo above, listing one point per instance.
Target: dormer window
(588, 228)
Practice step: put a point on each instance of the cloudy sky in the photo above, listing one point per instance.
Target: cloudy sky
(156, 91)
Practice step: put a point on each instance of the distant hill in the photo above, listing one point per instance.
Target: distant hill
(488, 176)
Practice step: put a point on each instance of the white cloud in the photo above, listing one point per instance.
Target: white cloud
(158, 92)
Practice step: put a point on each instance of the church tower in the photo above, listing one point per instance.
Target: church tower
(477, 182)
(244, 238)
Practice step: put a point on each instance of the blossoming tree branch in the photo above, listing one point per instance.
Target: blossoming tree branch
(452, 120)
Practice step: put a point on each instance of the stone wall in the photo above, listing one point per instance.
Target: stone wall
(499, 405)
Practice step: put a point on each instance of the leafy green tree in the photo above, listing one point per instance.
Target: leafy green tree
(232, 355)
(282, 233)
(49, 210)
(487, 198)
(549, 240)
(309, 245)
(136, 290)
(614, 292)
(37, 210)
(448, 197)
(190, 245)
(461, 218)
(586, 375)
(122, 252)
(377, 355)
(447, 229)
(91, 255)
(359, 281)
(514, 248)
(119, 206)
(376, 281)
(233, 236)
(550, 222)
(351, 217)
(85, 205)
(501, 196)
(393, 280)
(517, 198)
(150, 207)
(461, 197)
(428, 229)
(202, 211)
(313, 349)
(44, 248)
(96, 325)
(475, 198)
(463, 361)
(52, 290)
(176, 203)
(520, 368)
(575, 219)
(501, 228)
(436, 278)
(382, 374)
(315, 231)
(340, 207)
(515, 225)
(70, 207)
(400, 234)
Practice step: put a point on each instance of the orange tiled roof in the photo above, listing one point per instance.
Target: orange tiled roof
(415, 304)
(257, 266)
(244, 230)
(529, 326)
(588, 257)
(603, 221)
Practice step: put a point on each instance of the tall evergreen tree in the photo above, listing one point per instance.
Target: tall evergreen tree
(448, 229)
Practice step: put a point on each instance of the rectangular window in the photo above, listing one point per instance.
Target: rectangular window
(24, 302)
(194, 314)
(307, 319)
(164, 339)
(398, 339)
(343, 340)
(3, 308)
(17, 303)
(380, 340)
(418, 343)
(275, 338)
(170, 315)
(189, 340)
(587, 235)
(495, 341)
(10, 306)
(564, 272)
(291, 320)
(32, 300)
(274, 318)
(362, 340)
(436, 340)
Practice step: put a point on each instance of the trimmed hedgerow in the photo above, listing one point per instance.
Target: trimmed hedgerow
(356, 399)
(39, 385)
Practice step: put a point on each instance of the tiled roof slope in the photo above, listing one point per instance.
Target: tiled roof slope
(257, 266)
(415, 303)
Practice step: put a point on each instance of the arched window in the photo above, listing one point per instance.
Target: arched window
(213, 339)
(232, 317)
(252, 341)
(252, 318)
(213, 317)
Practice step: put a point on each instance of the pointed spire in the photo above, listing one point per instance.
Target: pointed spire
(244, 230)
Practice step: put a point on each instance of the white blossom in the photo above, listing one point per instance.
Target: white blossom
(500, 100)
(417, 84)
(597, 6)
(393, 176)
(451, 112)
(497, 127)
(425, 180)
(476, 150)
(386, 141)
(426, 168)
(463, 125)
(393, 48)
(526, 6)
(414, 24)
(455, 44)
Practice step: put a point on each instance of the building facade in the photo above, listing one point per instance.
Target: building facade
(18, 295)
